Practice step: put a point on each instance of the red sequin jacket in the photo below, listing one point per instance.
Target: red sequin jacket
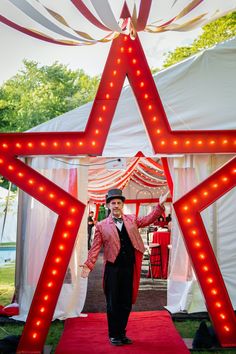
(106, 234)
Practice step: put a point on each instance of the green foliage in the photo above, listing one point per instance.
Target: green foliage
(37, 94)
(213, 33)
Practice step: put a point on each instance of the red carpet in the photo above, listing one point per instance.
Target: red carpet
(151, 331)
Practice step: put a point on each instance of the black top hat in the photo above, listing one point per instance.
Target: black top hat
(114, 194)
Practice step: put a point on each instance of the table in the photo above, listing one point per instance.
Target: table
(163, 238)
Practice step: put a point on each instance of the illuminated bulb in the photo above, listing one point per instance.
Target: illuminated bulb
(130, 49)
(134, 61)
(149, 107)
(199, 142)
(163, 142)
(31, 181)
(225, 141)
(214, 292)
(194, 232)
(227, 328)
(224, 179)
(222, 316)
(194, 200)
(58, 260)
(1, 160)
(73, 210)
(185, 207)
(68, 143)
(212, 142)
(205, 268)
(34, 335)
(234, 170)
(114, 72)
(61, 247)
(158, 131)
(50, 284)
(138, 72)
(42, 309)
(111, 84)
(125, 38)
(215, 185)
(69, 222)
(189, 220)
(41, 188)
(202, 256)
(122, 49)
(30, 144)
(62, 202)
(154, 119)
(55, 144)
(10, 167)
(43, 143)
(107, 96)
(210, 280)
(187, 142)
(205, 193)
(100, 119)
(197, 244)
(93, 143)
(81, 143)
(141, 84)
(218, 304)
(5, 146)
(104, 108)
(96, 131)
(146, 96)
(118, 61)
(20, 174)
(65, 235)
(51, 195)
(175, 142)
(38, 323)
(18, 145)
(45, 297)
(54, 272)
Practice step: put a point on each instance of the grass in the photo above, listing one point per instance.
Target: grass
(7, 276)
(8, 244)
(187, 328)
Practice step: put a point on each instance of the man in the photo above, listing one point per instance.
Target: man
(123, 253)
(90, 227)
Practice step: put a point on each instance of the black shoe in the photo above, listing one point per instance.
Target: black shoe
(126, 340)
(116, 341)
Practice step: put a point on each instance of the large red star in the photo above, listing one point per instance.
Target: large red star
(126, 58)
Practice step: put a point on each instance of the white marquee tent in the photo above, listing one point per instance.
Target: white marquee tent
(198, 93)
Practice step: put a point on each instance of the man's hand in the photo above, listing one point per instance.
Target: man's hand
(162, 198)
(85, 271)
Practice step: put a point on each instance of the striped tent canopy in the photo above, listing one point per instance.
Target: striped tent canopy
(87, 22)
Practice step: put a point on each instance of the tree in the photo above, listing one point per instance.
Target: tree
(213, 33)
(37, 94)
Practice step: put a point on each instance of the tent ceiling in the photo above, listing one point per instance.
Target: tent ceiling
(142, 178)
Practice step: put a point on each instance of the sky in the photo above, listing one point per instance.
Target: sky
(16, 46)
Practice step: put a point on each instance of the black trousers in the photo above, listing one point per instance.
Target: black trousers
(118, 285)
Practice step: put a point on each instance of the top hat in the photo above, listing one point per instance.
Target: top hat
(114, 194)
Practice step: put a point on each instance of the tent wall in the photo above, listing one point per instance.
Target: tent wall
(36, 229)
(8, 215)
(219, 219)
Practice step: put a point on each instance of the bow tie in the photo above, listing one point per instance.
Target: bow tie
(118, 220)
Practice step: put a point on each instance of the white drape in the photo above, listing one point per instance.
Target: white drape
(184, 293)
(36, 229)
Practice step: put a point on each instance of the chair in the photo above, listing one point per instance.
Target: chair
(152, 254)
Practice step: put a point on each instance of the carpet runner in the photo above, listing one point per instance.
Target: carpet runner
(151, 332)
